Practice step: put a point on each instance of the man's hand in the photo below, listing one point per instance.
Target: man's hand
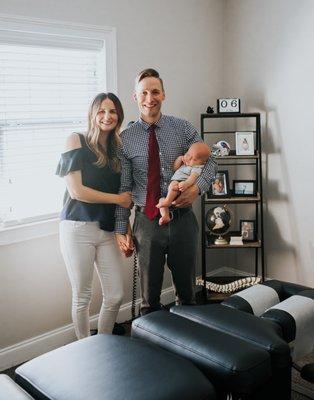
(187, 197)
(183, 186)
(125, 243)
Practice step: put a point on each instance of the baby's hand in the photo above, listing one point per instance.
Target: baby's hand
(183, 186)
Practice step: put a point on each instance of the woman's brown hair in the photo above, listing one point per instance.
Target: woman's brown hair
(108, 155)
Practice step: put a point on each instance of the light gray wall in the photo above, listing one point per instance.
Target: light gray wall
(182, 39)
(269, 64)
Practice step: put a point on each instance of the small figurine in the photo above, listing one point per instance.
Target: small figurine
(210, 110)
(221, 148)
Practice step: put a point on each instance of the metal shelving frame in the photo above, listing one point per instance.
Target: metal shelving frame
(232, 159)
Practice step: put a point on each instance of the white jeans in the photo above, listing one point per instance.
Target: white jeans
(83, 245)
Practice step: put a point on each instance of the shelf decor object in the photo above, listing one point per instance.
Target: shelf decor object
(220, 185)
(218, 221)
(244, 187)
(244, 143)
(221, 148)
(229, 287)
(228, 105)
(247, 229)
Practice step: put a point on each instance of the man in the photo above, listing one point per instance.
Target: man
(150, 147)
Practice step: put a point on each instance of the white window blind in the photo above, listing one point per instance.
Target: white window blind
(45, 92)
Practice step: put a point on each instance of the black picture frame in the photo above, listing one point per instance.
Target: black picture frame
(220, 186)
(244, 188)
(248, 230)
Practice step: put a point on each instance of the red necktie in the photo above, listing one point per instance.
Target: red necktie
(153, 176)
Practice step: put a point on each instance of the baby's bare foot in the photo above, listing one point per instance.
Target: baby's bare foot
(163, 203)
(164, 220)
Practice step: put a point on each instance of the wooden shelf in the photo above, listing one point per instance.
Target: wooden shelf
(254, 157)
(230, 115)
(234, 199)
(233, 156)
(246, 245)
(210, 239)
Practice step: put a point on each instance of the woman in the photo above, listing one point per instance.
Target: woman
(91, 169)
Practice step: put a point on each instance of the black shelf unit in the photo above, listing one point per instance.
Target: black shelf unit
(237, 160)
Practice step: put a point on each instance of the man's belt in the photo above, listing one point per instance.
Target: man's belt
(175, 212)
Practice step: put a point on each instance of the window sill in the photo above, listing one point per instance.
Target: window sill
(24, 232)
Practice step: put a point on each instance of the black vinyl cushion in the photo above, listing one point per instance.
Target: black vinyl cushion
(106, 367)
(262, 333)
(257, 298)
(285, 289)
(307, 293)
(282, 289)
(229, 362)
(291, 289)
(284, 320)
(238, 303)
(307, 372)
(295, 316)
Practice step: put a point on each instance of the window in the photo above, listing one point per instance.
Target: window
(48, 76)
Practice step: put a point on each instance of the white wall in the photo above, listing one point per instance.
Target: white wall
(269, 64)
(182, 39)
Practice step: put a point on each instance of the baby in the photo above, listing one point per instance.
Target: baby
(188, 168)
(218, 186)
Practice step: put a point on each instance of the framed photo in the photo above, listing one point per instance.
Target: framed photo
(244, 188)
(220, 186)
(244, 143)
(248, 230)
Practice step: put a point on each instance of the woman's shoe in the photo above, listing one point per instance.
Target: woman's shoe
(118, 329)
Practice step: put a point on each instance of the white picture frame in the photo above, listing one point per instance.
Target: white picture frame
(244, 143)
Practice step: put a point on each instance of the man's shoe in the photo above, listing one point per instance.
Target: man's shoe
(118, 329)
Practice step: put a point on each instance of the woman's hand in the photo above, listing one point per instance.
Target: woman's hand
(125, 243)
(125, 200)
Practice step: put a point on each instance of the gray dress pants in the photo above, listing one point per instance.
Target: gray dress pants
(176, 243)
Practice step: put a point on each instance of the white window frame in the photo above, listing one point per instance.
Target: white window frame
(50, 32)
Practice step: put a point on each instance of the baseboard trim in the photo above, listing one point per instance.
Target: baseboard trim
(26, 350)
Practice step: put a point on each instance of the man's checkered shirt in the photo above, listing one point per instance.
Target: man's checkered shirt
(174, 137)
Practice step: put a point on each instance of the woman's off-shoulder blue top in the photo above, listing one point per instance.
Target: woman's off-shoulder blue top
(103, 179)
